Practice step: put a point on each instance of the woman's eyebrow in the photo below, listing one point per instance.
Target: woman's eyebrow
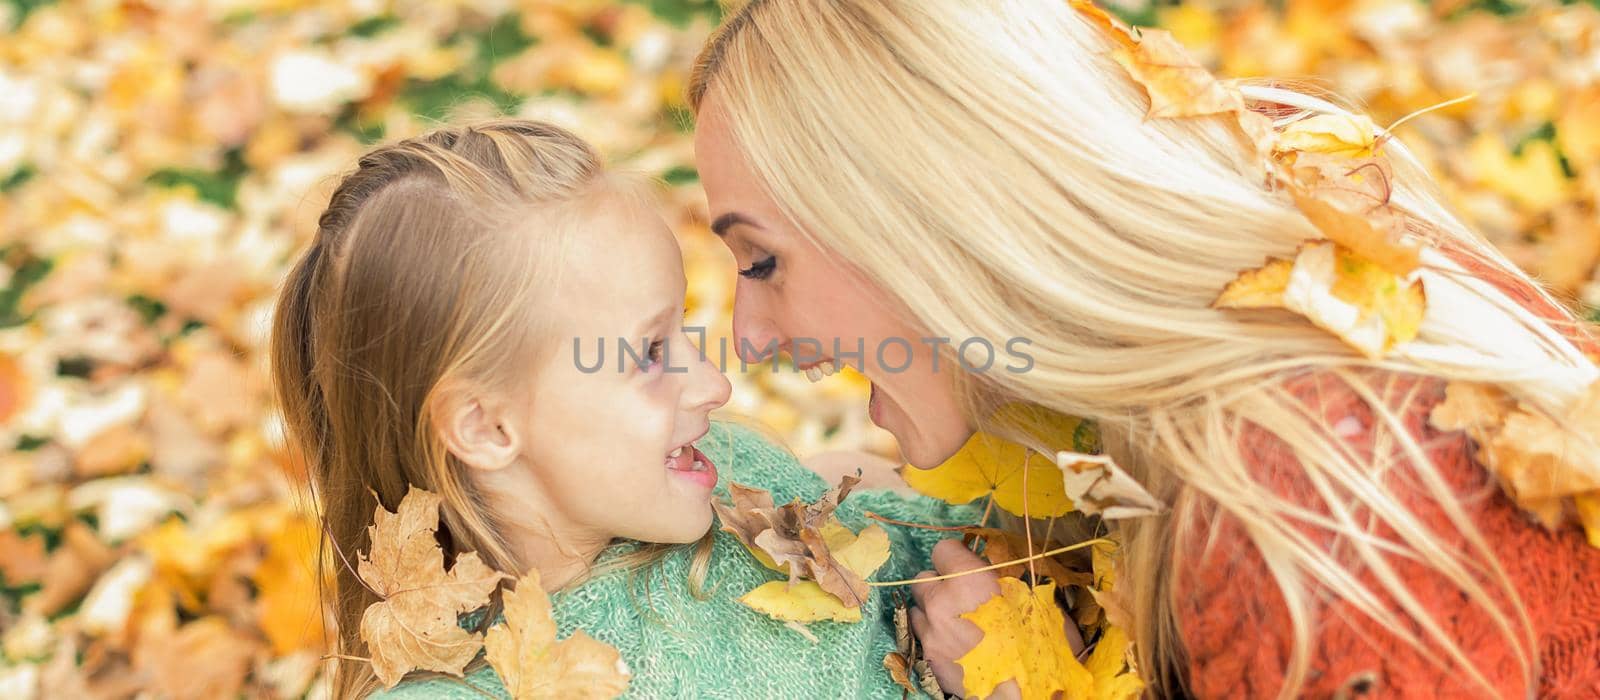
(729, 220)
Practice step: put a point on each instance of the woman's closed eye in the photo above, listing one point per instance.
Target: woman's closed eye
(760, 270)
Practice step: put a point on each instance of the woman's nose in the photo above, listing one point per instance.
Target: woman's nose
(754, 334)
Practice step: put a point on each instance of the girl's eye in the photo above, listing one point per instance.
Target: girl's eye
(760, 270)
(653, 355)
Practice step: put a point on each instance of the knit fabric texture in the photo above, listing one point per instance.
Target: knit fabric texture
(679, 647)
(1235, 625)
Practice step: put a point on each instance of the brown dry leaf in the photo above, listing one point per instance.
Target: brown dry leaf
(22, 558)
(120, 449)
(534, 666)
(744, 519)
(800, 539)
(1549, 467)
(204, 659)
(73, 569)
(1097, 486)
(1178, 85)
(1571, 247)
(14, 390)
(414, 625)
(1578, 128)
(1348, 200)
(899, 671)
(1004, 545)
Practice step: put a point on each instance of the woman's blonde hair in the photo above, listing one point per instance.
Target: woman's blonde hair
(434, 262)
(991, 166)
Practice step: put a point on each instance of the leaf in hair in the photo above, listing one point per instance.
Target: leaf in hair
(414, 626)
(1097, 486)
(1178, 86)
(1349, 202)
(1344, 135)
(1367, 306)
(534, 666)
(1549, 466)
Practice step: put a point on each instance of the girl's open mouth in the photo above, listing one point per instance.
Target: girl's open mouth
(690, 463)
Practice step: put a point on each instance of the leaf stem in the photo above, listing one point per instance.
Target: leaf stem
(1388, 131)
(992, 567)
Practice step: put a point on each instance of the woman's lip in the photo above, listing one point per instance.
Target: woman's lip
(875, 406)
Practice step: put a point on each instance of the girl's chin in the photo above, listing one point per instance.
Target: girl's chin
(688, 528)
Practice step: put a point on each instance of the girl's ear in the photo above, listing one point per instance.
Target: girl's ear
(477, 428)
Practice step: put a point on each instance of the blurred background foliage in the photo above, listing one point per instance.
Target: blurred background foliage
(161, 162)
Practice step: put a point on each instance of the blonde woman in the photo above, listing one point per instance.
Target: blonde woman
(960, 169)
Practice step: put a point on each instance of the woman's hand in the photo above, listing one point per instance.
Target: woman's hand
(937, 621)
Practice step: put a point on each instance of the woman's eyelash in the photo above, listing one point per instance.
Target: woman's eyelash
(654, 354)
(760, 270)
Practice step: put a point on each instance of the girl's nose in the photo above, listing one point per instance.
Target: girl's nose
(709, 389)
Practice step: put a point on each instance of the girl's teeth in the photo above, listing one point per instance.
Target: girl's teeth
(675, 453)
(814, 374)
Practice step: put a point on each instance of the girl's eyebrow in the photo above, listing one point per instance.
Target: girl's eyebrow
(655, 321)
(721, 225)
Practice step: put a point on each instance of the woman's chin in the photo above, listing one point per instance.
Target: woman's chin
(926, 452)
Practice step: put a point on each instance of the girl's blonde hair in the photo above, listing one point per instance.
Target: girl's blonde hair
(991, 167)
(434, 261)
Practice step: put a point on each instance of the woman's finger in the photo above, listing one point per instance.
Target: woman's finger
(952, 556)
(920, 591)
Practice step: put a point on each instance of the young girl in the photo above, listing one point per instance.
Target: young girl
(427, 338)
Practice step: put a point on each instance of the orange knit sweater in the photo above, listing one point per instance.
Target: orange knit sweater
(1236, 628)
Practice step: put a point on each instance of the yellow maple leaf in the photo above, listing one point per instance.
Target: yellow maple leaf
(1113, 679)
(290, 613)
(1023, 640)
(1261, 288)
(534, 666)
(414, 625)
(1347, 135)
(804, 601)
(1369, 307)
(1588, 506)
(1533, 179)
(988, 464)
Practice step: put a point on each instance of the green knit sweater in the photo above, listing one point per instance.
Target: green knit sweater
(680, 647)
